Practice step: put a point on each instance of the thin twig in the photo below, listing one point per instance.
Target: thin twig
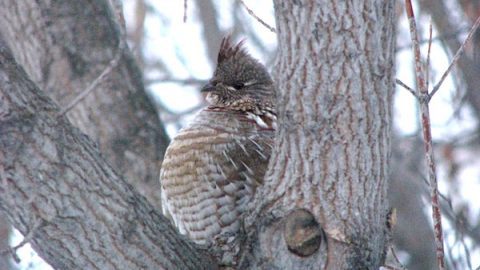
(397, 261)
(443, 37)
(428, 52)
(422, 93)
(116, 6)
(454, 218)
(257, 18)
(402, 84)
(185, 11)
(92, 86)
(465, 249)
(457, 56)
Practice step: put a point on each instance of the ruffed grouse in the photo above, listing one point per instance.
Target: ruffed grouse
(213, 166)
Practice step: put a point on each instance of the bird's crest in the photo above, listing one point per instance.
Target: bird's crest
(229, 50)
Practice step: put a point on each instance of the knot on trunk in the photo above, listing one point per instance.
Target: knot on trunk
(302, 232)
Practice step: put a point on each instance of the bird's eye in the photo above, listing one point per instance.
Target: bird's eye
(238, 85)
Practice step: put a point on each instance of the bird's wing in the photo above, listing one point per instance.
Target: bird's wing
(206, 186)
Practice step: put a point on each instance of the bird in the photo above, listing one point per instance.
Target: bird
(214, 165)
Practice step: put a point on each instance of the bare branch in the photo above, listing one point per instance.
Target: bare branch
(422, 93)
(416, 50)
(394, 254)
(257, 18)
(122, 45)
(458, 222)
(468, 67)
(140, 236)
(92, 86)
(457, 56)
(402, 84)
(428, 52)
(452, 35)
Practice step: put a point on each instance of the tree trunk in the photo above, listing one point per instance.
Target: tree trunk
(335, 83)
(64, 46)
(58, 191)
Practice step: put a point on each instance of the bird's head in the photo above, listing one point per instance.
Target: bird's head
(238, 76)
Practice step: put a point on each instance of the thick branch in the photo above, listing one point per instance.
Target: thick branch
(56, 187)
(64, 46)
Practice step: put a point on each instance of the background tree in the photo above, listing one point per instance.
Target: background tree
(64, 54)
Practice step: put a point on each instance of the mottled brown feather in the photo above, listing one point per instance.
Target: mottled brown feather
(213, 167)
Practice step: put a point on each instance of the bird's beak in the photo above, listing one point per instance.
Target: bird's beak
(207, 88)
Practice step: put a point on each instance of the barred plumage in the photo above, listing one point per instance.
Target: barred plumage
(213, 166)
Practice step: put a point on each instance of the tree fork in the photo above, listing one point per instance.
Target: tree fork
(56, 187)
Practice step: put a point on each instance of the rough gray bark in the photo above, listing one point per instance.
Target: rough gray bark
(334, 76)
(64, 46)
(56, 187)
(5, 230)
